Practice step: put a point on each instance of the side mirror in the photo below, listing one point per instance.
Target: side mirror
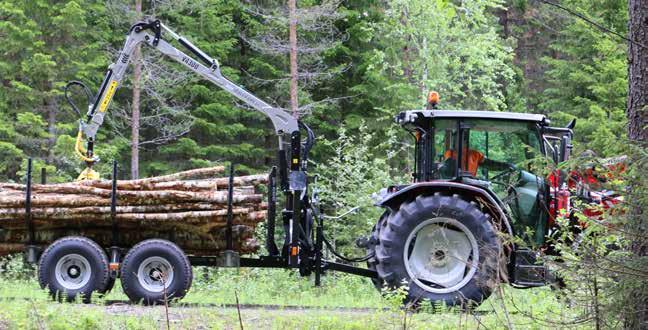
(572, 124)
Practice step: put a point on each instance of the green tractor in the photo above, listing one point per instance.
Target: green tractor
(448, 235)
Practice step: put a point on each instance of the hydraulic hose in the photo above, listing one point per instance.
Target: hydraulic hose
(348, 259)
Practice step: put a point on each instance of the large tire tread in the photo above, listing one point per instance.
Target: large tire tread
(389, 261)
(181, 282)
(97, 257)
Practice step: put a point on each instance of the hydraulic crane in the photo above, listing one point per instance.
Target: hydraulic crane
(292, 151)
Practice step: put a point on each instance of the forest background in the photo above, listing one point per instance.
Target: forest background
(359, 63)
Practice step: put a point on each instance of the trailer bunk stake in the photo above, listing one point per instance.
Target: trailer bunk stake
(230, 257)
(32, 254)
(115, 253)
(44, 175)
(113, 206)
(230, 196)
(271, 246)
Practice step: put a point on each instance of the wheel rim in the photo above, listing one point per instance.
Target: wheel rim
(441, 255)
(73, 271)
(155, 274)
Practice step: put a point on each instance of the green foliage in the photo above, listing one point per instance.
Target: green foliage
(368, 78)
(442, 46)
(354, 173)
(588, 77)
(44, 45)
(10, 159)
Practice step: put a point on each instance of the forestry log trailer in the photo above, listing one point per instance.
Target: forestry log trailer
(440, 234)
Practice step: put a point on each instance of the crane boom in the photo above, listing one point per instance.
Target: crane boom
(206, 67)
(292, 161)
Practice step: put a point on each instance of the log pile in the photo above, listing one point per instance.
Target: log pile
(188, 208)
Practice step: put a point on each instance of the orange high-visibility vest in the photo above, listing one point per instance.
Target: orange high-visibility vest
(474, 159)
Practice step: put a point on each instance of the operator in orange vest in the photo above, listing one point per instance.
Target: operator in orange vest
(475, 159)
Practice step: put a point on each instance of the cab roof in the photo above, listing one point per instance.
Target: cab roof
(412, 115)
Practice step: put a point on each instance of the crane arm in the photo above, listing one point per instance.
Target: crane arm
(150, 33)
(292, 162)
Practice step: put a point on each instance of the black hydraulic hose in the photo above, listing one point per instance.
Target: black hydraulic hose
(308, 144)
(348, 259)
(68, 98)
(329, 246)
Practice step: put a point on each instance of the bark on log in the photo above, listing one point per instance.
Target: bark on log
(129, 221)
(207, 184)
(254, 180)
(191, 246)
(190, 174)
(103, 187)
(127, 198)
(191, 213)
(62, 212)
(208, 243)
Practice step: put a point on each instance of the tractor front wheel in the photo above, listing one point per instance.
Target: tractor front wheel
(443, 248)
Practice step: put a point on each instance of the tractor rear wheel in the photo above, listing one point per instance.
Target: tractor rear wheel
(443, 248)
(374, 238)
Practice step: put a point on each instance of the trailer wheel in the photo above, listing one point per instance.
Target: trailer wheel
(155, 271)
(110, 285)
(73, 266)
(443, 247)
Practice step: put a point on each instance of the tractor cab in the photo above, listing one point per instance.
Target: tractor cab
(501, 153)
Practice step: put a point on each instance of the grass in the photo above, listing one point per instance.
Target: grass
(24, 306)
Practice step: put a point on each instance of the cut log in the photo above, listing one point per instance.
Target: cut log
(208, 243)
(189, 208)
(127, 198)
(103, 188)
(62, 212)
(128, 221)
(191, 185)
(190, 174)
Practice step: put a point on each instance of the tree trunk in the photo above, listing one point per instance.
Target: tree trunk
(638, 71)
(192, 239)
(292, 31)
(51, 105)
(135, 120)
(192, 213)
(637, 301)
(143, 183)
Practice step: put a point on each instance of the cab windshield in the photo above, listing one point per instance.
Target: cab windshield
(485, 148)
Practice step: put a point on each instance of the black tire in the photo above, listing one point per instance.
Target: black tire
(373, 240)
(73, 266)
(149, 290)
(109, 286)
(391, 247)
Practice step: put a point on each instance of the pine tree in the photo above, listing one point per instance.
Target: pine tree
(588, 76)
(442, 46)
(44, 45)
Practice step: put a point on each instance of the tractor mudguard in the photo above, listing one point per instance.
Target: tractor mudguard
(393, 200)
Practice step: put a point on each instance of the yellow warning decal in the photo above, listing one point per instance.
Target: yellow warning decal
(109, 94)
